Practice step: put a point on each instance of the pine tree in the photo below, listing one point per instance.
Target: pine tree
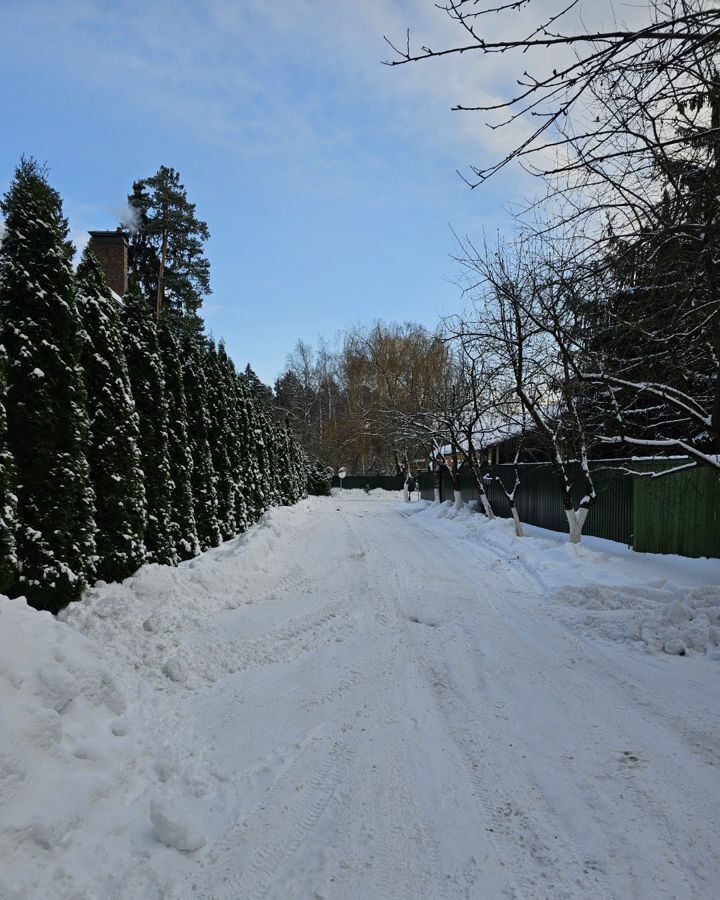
(147, 380)
(47, 419)
(183, 528)
(113, 451)
(166, 247)
(8, 498)
(203, 476)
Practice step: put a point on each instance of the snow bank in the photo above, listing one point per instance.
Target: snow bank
(96, 798)
(657, 603)
(146, 618)
(377, 494)
(62, 745)
(675, 620)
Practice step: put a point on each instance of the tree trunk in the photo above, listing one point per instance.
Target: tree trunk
(480, 487)
(519, 531)
(161, 277)
(458, 499)
(487, 509)
(576, 520)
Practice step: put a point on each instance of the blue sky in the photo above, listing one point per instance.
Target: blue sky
(328, 181)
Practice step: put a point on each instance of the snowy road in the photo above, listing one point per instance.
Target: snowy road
(386, 713)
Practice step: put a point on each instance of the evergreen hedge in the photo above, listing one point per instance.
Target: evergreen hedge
(122, 440)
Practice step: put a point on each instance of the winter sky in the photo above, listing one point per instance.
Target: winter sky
(328, 180)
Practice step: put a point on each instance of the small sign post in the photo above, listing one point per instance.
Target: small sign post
(341, 475)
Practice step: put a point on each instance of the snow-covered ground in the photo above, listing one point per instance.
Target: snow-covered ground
(366, 699)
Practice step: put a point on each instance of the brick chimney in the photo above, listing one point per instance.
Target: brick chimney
(111, 249)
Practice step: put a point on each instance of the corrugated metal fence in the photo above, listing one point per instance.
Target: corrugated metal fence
(678, 513)
(386, 482)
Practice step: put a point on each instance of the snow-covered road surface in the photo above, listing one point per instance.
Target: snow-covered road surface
(354, 704)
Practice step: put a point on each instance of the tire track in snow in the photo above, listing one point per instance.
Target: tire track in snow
(516, 820)
(277, 827)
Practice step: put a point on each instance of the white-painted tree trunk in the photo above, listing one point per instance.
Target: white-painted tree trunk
(436, 493)
(576, 520)
(486, 506)
(406, 493)
(458, 499)
(518, 524)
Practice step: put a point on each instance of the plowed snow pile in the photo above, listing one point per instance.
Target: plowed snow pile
(65, 747)
(89, 775)
(676, 620)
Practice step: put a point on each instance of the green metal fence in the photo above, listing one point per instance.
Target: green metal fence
(385, 482)
(678, 513)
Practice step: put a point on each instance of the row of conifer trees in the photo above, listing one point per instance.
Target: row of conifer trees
(122, 440)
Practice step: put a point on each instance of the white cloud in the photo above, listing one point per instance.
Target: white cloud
(292, 81)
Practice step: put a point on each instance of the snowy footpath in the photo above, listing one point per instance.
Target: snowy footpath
(362, 699)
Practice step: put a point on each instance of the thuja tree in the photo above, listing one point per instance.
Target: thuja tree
(318, 480)
(183, 528)
(8, 498)
(222, 435)
(290, 465)
(47, 422)
(298, 466)
(237, 430)
(203, 476)
(113, 449)
(147, 380)
(260, 492)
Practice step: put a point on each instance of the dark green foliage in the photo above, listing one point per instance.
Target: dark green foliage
(203, 475)
(147, 380)
(298, 467)
(45, 403)
(167, 246)
(8, 554)
(249, 469)
(237, 435)
(100, 406)
(222, 436)
(183, 528)
(318, 480)
(255, 455)
(257, 388)
(113, 450)
(282, 464)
